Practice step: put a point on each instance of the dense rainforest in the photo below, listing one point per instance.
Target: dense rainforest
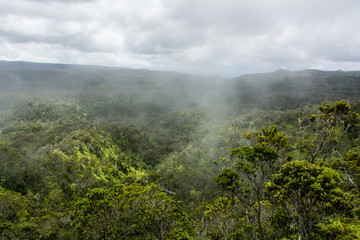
(91, 152)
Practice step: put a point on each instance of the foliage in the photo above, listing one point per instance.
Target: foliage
(132, 212)
(222, 219)
(309, 193)
(127, 154)
(330, 127)
(253, 166)
(271, 136)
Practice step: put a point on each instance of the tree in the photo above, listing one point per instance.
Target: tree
(309, 192)
(350, 163)
(131, 212)
(271, 136)
(253, 166)
(333, 123)
(331, 126)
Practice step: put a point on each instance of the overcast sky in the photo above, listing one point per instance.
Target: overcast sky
(208, 37)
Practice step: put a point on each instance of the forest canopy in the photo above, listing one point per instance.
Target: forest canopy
(108, 153)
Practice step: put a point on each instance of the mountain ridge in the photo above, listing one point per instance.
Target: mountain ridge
(278, 90)
(64, 66)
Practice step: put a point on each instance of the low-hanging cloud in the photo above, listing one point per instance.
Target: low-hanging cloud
(226, 37)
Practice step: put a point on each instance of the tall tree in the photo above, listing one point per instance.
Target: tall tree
(331, 125)
(245, 179)
(309, 192)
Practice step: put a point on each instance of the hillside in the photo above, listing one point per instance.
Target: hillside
(277, 90)
(283, 89)
(90, 152)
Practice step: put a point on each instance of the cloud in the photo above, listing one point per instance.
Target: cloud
(203, 36)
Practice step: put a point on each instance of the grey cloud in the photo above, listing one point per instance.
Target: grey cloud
(90, 1)
(167, 40)
(173, 35)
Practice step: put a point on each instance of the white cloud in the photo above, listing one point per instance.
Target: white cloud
(203, 36)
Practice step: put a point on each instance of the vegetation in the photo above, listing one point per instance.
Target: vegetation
(97, 153)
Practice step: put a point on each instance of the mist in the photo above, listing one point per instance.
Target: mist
(72, 135)
(191, 119)
(158, 119)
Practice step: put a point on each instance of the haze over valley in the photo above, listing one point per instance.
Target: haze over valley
(179, 119)
(68, 132)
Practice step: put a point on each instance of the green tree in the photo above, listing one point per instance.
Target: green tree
(222, 219)
(131, 212)
(14, 216)
(330, 130)
(350, 164)
(332, 125)
(252, 167)
(271, 136)
(309, 193)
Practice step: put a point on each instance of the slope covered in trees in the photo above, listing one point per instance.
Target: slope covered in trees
(107, 153)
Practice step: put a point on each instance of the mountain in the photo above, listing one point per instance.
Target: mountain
(90, 152)
(284, 89)
(277, 90)
(24, 80)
